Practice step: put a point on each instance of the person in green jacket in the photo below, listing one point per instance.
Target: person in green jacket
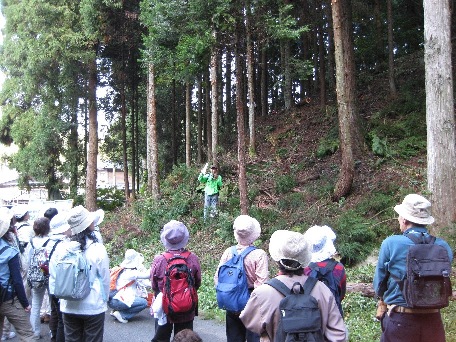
(213, 183)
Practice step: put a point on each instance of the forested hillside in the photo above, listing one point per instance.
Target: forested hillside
(182, 82)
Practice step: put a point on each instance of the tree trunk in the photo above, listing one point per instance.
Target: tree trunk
(264, 82)
(133, 141)
(345, 88)
(73, 153)
(250, 81)
(123, 110)
(174, 134)
(321, 58)
(188, 109)
(287, 86)
(331, 62)
(241, 117)
(91, 180)
(441, 156)
(153, 184)
(214, 98)
(199, 142)
(208, 130)
(228, 91)
(391, 78)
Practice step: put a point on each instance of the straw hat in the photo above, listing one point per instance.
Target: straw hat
(59, 224)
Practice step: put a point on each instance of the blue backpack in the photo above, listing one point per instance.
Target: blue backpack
(232, 290)
(326, 276)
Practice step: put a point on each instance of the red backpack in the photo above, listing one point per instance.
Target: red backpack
(179, 293)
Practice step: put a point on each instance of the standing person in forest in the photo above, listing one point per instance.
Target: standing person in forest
(174, 236)
(246, 231)
(401, 323)
(13, 304)
(213, 183)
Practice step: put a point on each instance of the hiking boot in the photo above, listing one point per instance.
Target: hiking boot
(119, 317)
(8, 336)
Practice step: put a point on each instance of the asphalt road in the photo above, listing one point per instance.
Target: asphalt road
(141, 329)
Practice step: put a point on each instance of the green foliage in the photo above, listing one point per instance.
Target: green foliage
(290, 201)
(359, 317)
(328, 144)
(355, 239)
(285, 183)
(110, 198)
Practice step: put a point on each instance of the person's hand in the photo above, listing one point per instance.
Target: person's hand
(204, 169)
(28, 308)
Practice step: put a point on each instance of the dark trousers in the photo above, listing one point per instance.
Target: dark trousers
(406, 327)
(56, 321)
(84, 328)
(163, 332)
(236, 331)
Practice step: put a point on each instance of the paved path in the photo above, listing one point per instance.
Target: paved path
(141, 329)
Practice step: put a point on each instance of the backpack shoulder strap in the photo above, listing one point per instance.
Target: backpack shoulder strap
(45, 244)
(53, 248)
(246, 251)
(421, 239)
(234, 251)
(279, 286)
(4, 248)
(331, 264)
(22, 225)
(309, 285)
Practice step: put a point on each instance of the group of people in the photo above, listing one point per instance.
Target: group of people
(22, 296)
(297, 256)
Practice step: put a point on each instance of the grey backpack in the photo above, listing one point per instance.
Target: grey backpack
(300, 318)
(427, 282)
(72, 276)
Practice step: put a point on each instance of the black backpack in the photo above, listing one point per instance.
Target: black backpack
(300, 318)
(427, 282)
(326, 276)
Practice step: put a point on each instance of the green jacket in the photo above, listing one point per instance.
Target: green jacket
(213, 185)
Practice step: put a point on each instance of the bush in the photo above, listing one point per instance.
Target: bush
(285, 183)
(111, 198)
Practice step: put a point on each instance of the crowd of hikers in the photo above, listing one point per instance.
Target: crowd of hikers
(61, 257)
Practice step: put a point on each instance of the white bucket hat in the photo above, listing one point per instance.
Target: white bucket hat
(246, 230)
(174, 235)
(321, 240)
(79, 219)
(4, 224)
(416, 209)
(131, 259)
(288, 245)
(99, 217)
(59, 224)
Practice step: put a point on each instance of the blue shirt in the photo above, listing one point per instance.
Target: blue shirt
(392, 258)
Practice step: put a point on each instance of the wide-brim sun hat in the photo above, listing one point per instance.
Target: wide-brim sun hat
(289, 245)
(246, 229)
(131, 259)
(321, 240)
(79, 219)
(416, 209)
(59, 224)
(99, 217)
(4, 224)
(174, 235)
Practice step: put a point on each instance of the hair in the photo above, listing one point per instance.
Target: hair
(81, 237)
(187, 335)
(41, 226)
(299, 270)
(9, 235)
(50, 213)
